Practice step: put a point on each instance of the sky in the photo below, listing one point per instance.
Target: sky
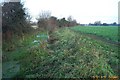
(84, 11)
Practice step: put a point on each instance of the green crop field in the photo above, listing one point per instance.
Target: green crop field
(107, 32)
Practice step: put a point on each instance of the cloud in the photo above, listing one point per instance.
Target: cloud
(79, 9)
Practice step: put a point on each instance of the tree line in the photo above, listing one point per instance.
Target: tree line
(50, 23)
(16, 20)
(98, 23)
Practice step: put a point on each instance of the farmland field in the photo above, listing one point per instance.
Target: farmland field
(107, 32)
(69, 54)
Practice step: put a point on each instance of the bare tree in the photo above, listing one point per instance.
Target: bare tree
(44, 15)
(43, 19)
(70, 18)
(71, 21)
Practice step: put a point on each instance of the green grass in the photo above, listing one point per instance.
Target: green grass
(72, 55)
(21, 49)
(107, 32)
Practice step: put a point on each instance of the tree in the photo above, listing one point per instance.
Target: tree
(114, 24)
(71, 21)
(47, 22)
(62, 22)
(44, 15)
(13, 19)
(97, 23)
(105, 24)
(70, 18)
(52, 23)
(74, 22)
(43, 19)
(28, 17)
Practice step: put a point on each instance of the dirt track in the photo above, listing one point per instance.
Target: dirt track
(100, 38)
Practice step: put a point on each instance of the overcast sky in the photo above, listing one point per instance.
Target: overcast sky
(84, 11)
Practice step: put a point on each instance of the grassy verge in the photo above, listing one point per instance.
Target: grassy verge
(13, 53)
(67, 55)
(71, 56)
